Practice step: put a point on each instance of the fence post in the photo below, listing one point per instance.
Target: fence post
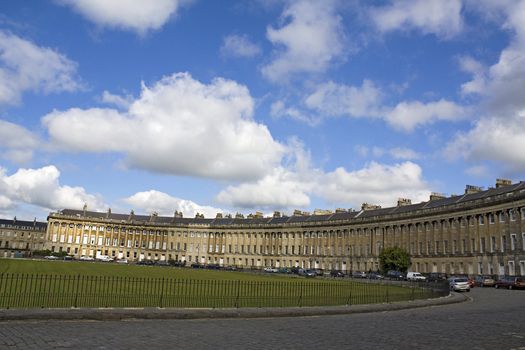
(238, 292)
(75, 304)
(161, 293)
(300, 295)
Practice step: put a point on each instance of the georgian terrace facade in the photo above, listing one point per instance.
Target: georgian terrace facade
(19, 238)
(477, 232)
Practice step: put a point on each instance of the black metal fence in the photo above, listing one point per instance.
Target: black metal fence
(64, 291)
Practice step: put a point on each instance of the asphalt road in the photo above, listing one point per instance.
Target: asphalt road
(493, 319)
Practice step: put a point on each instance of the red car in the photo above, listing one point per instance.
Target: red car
(510, 282)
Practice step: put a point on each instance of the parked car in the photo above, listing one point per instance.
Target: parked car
(510, 282)
(436, 277)
(484, 281)
(86, 258)
(336, 273)
(104, 258)
(146, 262)
(271, 269)
(459, 284)
(415, 277)
(310, 273)
(358, 274)
(50, 257)
(374, 276)
(122, 261)
(395, 275)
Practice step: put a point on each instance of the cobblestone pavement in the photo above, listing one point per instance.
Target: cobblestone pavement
(494, 319)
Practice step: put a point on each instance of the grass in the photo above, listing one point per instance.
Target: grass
(35, 283)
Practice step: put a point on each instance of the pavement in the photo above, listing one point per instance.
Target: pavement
(113, 314)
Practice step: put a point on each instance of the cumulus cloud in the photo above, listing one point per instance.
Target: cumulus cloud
(280, 189)
(25, 66)
(496, 139)
(239, 46)
(138, 16)
(339, 99)
(439, 17)
(501, 88)
(375, 183)
(334, 100)
(164, 204)
(41, 187)
(310, 38)
(16, 142)
(178, 126)
(295, 185)
(117, 100)
(408, 115)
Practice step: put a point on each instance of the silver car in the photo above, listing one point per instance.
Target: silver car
(459, 284)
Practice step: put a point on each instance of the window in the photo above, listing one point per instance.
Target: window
(491, 218)
(512, 215)
(503, 243)
(501, 217)
(493, 244)
(513, 241)
(481, 220)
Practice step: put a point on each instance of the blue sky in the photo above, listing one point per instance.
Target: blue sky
(234, 106)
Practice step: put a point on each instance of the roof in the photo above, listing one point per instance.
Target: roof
(297, 219)
(23, 224)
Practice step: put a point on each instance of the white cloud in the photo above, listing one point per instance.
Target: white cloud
(404, 153)
(178, 126)
(25, 66)
(293, 186)
(138, 16)
(41, 187)
(164, 204)
(280, 189)
(499, 134)
(502, 85)
(120, 101)
(239, 46)
(333, 100)
(376, 183)
(498, 139)
(439, 17)
(16, 142)
(406, 116)
(310, 39)
(338, 99)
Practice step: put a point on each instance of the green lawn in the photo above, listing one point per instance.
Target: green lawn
(37, 283)
(113, 269)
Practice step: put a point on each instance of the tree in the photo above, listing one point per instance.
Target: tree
(394, 258)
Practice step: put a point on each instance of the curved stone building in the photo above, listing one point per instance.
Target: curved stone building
(476, 232)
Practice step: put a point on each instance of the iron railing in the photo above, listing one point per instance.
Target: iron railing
(64, 291)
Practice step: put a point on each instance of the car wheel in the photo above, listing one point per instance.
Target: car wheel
(496, 286)
(468, 290)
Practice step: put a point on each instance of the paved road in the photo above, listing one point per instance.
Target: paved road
(494, 319)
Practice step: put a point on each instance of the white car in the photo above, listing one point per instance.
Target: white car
(122, 261)
(51, 257)
(86, 258)
(104, 258)
(270, 269)
(415, 276)
(459, 284)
